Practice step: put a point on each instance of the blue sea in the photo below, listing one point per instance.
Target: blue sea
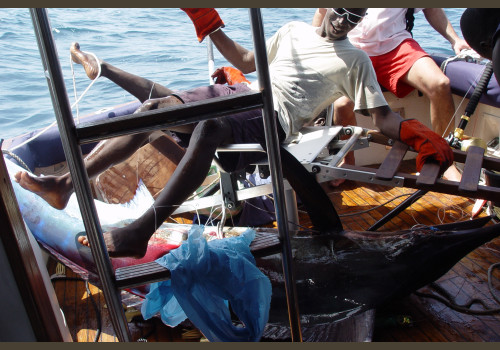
(159, 44)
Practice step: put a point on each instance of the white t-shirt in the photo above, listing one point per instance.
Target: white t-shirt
(309, 72)
(381, 31)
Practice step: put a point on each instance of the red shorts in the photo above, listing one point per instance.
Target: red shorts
(392, 66)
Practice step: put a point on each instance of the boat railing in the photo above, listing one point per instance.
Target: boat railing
(73, 136)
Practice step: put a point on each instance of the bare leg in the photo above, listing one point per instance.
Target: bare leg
(426, 76)
(132, 240)
(343, 114)
(56, 190)
(139, 87)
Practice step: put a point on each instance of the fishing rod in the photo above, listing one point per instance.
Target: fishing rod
(456, 139)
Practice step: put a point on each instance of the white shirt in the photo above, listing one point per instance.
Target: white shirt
(309, 72)
(381, 30)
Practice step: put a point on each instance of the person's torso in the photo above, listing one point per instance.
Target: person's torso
(381, 30)
(309, 72)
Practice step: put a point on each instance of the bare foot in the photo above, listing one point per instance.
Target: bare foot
(122, 242)
(88, 61)
(47, 187)
(336, 182)
(452, 174)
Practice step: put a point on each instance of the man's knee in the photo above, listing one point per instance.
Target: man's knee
(161, 102)
(343, 103)
(441, 86)
(212, 131)
(343, 110)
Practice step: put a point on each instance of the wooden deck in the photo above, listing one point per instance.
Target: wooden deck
(413, 318)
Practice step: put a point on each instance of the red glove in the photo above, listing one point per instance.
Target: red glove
(229, 75)
(426, 142)
(206, 21)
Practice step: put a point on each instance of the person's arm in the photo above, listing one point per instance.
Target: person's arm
(207, 22)
(318, 17)
(386, 120)
(237, 55)
(423, 140)
(438, 20)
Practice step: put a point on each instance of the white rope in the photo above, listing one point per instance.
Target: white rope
(72, 106)
(91, 83)
(151, 92)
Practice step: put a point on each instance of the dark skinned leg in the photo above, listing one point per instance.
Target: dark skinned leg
(141, 88)
(56, 190)
(132, 240)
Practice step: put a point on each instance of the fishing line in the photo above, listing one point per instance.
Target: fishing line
(441, 212)
(443, 68)
(56, 278)
(418, 227)
(170, 206)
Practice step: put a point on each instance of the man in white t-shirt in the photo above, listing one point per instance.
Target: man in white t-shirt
(310, 67)
(402, 65)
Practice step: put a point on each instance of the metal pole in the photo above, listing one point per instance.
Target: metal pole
(210, 57)
(398, 209)
(77, 169)
(275, 169)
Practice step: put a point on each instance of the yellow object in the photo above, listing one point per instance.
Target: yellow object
(473, 141)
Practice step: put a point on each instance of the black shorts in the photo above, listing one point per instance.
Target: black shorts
(247, 127)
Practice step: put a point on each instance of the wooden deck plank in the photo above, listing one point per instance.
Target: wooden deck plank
(472, 169)
(391, 163)
(428, 174)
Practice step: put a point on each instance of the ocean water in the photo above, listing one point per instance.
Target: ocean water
(159, 44)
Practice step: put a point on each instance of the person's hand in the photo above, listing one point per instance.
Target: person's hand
(206, 21)
(229, 75)
(427, 143)
(460, 45)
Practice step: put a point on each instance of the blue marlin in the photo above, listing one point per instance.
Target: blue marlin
(341, 273)
(58, 230)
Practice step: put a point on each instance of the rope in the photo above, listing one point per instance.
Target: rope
(16, 157)
(464, 55)
(72, 106)
(88, 87)
(449, 301)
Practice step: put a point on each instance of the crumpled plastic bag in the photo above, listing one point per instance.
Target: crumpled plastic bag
(204, 277)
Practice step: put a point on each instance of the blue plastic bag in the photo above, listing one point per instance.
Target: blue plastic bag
(204, 276)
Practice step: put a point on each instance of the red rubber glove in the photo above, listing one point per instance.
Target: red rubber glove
(426, 142)
(229, 75)
(206, 21)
